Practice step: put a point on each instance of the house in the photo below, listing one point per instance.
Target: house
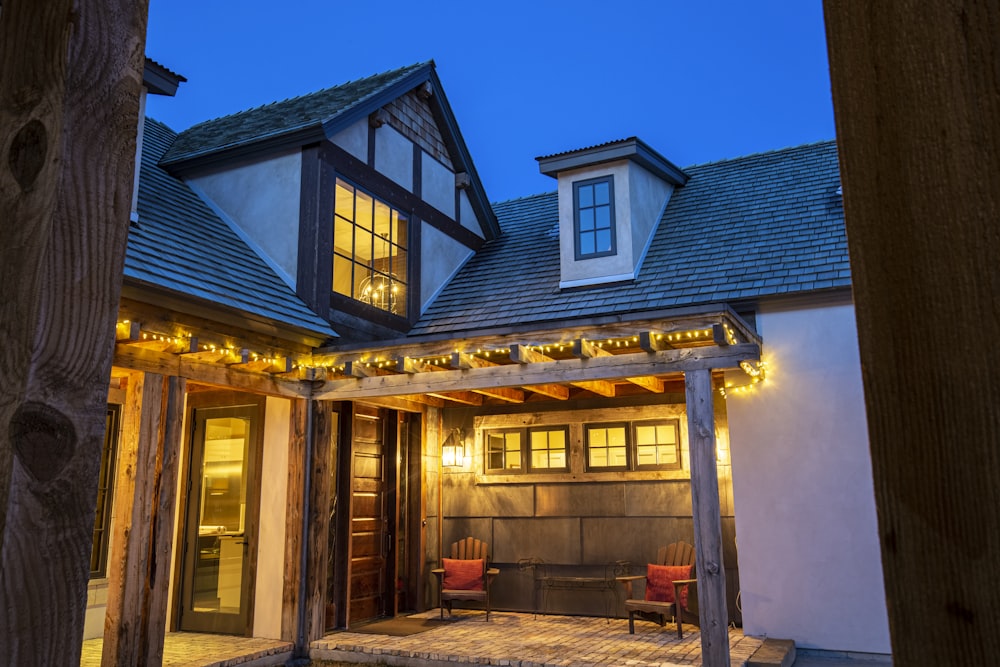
(335, 356)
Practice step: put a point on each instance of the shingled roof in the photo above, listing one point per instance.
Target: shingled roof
(739, 230)
(181, 245)
(306, 113)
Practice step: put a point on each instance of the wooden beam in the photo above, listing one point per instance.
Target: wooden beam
(294, 516)
(561, 371)
(70, 81)
(712, 613)
(719, 336)
(464, 361)
(584, 349)
(193, 370)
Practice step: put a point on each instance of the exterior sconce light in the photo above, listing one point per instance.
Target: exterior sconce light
(453, 450)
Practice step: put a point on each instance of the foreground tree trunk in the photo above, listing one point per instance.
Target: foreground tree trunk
(70, 80)
(916, 92)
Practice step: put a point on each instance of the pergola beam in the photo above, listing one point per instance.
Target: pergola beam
(565, 371)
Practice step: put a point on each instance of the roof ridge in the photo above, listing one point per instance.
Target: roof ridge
(758, 154)
(397, 71)
(524, 197)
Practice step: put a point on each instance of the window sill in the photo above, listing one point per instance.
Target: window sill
(585, 477)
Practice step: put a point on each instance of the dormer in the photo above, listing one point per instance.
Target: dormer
(611, 198)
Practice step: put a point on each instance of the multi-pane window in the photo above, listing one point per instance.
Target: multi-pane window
(657, 444)
(607, 446)
(503, 451)
(549, 448)
(105, 494)
(594, 217)
(642, 445)
(544, 449)
(369, 249)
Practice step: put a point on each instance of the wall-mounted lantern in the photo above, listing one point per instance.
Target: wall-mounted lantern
(453, 450)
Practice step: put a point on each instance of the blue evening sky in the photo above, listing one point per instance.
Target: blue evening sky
(697, 81)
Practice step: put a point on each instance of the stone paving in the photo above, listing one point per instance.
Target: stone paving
(508, 640)
(525, 640)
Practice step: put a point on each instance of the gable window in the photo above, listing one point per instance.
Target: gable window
(369, 249)
(105, 493)
(594, 217)
(544, 449)
(643, 445)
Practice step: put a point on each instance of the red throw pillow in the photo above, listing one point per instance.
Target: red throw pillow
(659, 582)
(463, 575)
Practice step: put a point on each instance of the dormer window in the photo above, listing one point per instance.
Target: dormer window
(594, 217)
(369, 249)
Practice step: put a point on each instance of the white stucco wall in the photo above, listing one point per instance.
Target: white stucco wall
(442, 257)
(262, 199)
(437, 185)
(394, 156)
(639, 199)
(273, 505)
(467, 216)
(354, 139)
(806, 527)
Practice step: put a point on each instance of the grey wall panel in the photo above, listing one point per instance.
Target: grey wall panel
(553, 540)
(463, 499)
(632, 539)
(580, 499)
(658, 498)
(458, 529)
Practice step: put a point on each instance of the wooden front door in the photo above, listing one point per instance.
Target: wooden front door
(216, 584)
(372, 518)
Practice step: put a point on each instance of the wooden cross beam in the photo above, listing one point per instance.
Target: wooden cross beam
(584, 349)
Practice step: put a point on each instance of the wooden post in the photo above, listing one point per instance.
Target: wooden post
(916, 93)
(70, 79)
(146, 482)
(713, 615)
(319, 519)
(293, 520)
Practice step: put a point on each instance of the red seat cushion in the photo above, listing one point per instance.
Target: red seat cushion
(659, 582)
(463, 575)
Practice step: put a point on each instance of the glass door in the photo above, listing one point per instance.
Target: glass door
(215, 588)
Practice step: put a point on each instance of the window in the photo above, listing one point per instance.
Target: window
(369, 249)
(607, 447)
(544, 449)
(644, 445)
(594, 217)
(105, 494)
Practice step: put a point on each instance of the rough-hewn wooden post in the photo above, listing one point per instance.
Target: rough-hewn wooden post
(70, 78)
(916, 92)
(712, 612)
(145, 499)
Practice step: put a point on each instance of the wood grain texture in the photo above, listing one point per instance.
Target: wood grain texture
(294, 517)
(70, 79)
(712, 613)
(916, 91)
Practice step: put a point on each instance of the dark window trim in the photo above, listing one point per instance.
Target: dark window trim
(106, 481)
(526, 451)
(677, 444)
(610, 180)
(628, 446)
(631, 442)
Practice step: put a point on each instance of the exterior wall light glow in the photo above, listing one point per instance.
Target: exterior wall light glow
(453, 450)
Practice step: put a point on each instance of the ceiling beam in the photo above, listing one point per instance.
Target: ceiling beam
(584, 349)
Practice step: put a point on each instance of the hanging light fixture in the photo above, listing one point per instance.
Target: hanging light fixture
(453, 450)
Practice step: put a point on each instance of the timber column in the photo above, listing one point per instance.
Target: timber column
(712, 613)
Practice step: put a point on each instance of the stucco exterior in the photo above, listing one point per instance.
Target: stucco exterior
(639, 200)
(442, 256)
(806, 527)
(262, 199)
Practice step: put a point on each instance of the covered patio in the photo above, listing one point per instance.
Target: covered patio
(509, 638)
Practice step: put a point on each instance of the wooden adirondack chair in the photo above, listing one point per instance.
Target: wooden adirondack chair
(465, 575)
(654, 606)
